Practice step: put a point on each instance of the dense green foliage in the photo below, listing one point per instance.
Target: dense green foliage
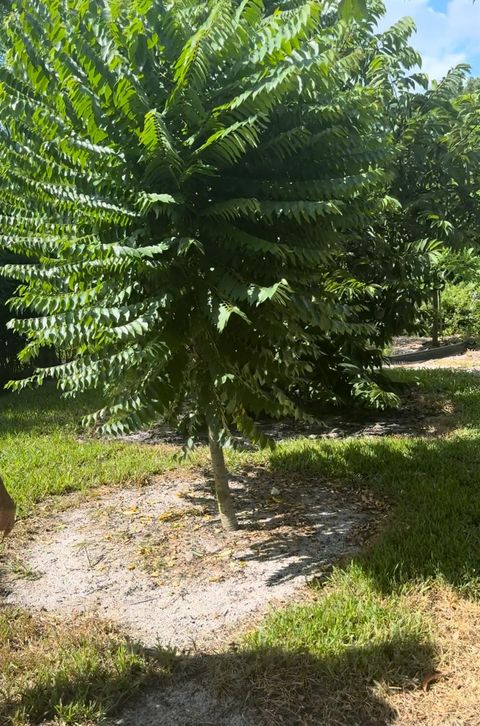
(10, 344)
(186, 177)
(234, 239)
(461, 309)
(436, 181)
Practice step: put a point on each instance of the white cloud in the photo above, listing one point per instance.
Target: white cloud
(444, 38)
(437, 67)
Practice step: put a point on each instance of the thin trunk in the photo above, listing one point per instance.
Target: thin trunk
(437, 321)
(224, 497)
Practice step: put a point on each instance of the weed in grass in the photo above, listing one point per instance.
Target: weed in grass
(20, 569)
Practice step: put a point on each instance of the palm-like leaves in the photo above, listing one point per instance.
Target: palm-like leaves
(182, 176)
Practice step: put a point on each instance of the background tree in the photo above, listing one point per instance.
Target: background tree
(393, 267)
(472, 84)
(437, 176)
(10, 344)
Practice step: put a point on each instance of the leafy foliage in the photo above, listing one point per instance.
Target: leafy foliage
(461, 309)
(184, 178)
(10, 344)
(387, 270)
(438, 176)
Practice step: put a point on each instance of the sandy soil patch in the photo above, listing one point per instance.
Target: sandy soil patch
(468, 361)
(411, 344)
(155, 560)
(189, 703)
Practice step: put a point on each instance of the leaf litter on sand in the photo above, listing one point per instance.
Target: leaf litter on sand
(155, 559)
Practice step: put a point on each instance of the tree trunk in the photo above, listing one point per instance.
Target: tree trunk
(224, 497)
(437, 317)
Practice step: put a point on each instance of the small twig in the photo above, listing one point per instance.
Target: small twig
(88, 558)
(96, 589)
(157, 597)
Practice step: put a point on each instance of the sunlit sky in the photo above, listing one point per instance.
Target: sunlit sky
(448, 32)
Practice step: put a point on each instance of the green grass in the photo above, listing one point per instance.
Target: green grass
(73, 673)
(433, 484)
(42, 453)
(359, 629)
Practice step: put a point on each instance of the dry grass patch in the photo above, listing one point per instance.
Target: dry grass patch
(449, 694)
(71, 672)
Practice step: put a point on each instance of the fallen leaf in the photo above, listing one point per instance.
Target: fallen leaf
(168, 516)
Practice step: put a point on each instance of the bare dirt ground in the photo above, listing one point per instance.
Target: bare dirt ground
(410, 344)
(468, 361)
(188, 703)
(155, 560)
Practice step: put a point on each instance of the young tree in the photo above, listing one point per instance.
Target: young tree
(183, 176)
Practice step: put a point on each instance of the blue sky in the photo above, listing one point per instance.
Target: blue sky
(448, 31)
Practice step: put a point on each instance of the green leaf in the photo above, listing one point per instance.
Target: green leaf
(353, 9)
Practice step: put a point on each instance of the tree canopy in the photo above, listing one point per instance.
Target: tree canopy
(199, 189)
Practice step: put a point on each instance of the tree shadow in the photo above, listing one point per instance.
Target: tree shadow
(433, 486)
(301, 530)
(272, 686)
(259, 686)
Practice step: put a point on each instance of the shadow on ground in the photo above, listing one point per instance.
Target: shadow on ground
(433, 486)
(301, 530)
(273, 687)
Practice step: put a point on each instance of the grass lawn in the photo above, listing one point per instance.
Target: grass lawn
(42, 453)
(371, 631)
(71, 672)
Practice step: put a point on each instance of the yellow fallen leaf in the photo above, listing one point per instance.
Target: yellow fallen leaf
(131, 566)
(169, 515)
